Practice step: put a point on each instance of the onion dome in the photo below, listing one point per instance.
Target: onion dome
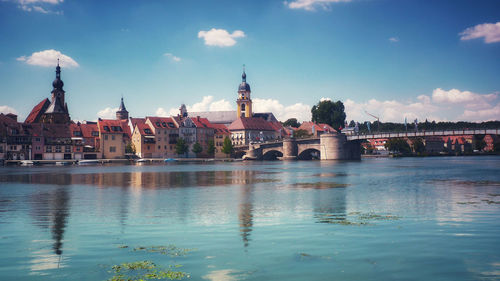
(58, 83)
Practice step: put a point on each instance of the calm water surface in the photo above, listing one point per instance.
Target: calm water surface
(376, 219)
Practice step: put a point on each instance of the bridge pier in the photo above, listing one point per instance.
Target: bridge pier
(254, 152)
(333, 146)
(290, 149)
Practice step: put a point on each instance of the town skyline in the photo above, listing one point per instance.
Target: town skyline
(439, 68)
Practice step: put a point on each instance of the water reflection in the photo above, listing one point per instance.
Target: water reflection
(50, 210)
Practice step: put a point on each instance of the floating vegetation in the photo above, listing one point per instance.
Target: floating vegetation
(145, 270)
(170, 250)
(490, 201)
(320, 185)
(354, 218)
(329, 175)
(467, 183)
(123, 246)
(493, 195)
(467, 203)
(306, 256)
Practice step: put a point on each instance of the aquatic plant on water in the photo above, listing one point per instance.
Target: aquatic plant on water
(145, 270)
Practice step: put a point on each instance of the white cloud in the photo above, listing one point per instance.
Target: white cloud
(7, 109)
(172, 57)
(490, 32)
(442, 105)
(310, 5)
(299, 110)
(469, 99)
(107, 113)
(34, 6)
(206, 104)
(48, 58)
(483, 114)
(325, 99)
(394, 39)
(220, 37)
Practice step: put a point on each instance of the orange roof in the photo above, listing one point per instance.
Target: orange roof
(220, 128)
(321, 127)
(37, 111)
(250, 123)
(144, 129)
(113, 126)
(162, 122)
(200, 122)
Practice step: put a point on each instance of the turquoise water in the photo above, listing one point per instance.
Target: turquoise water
(375, 219)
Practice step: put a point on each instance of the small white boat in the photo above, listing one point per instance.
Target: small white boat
(88, 162)
(27, 163)
(142, 160)
(63, 163)
(170, 160)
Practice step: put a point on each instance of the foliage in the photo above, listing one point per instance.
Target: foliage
(352, 124)
(227, 147)
(418, 146)
(197, 148)
(169, 250)
(181, 147)
(300, 134)
(130, 148)
(398, 145)
(292, 122)
(329, 112)
(480, 144)
(144, 270)
(369, 148)
(211, 147)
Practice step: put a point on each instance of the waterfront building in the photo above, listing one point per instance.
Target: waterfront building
(114, 136)
(433, 144)
(247, 130)
(166, 133)
(86, 142)
(220, 133)
(143, 140)
(187, 129)
(54, 111)
(204, 132)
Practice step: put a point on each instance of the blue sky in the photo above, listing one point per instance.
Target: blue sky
(402, 58)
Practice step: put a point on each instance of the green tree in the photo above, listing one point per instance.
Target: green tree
(227, 146)
(299, 134)
(211, 147)
(130, 148)
(329, 112)
(480, 144)
(292, 122)
(181, 147)
(418, 146)
(398, 145)
(197, 148)
(352, 124)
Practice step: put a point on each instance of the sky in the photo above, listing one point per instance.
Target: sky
(436, 60)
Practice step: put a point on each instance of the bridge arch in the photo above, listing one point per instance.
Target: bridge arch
(309, 154)
(272, 154)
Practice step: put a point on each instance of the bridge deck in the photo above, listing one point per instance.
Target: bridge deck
(424, 134)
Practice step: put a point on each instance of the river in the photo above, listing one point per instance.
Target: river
(375, 219)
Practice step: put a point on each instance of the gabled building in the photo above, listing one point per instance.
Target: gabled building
(220, 133)
(204, 133)
(86, 142)
(166, 133)
(114, 136)
(315, 129)
(246, 130)
(143, 139)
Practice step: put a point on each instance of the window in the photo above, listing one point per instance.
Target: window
(37, 139)
(58, 148)
(147, 131)
(48, 149)
(112, 149)
(158, 124)
(77, 133)
(106, 128)
(95, 133)
(105, 137)
(159, 139)
(78, 149)
(67, 148)
(165, 147)
(159, 147)
(164, 124)
(112, 137)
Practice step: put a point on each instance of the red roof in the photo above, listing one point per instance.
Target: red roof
(220, 128)
(37, 111)
(251, 123)
(321, 127)
(143, 128)
(162, 122)
(201, 122)
(113, 126)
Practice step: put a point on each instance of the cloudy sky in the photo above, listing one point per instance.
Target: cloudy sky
(436, 60)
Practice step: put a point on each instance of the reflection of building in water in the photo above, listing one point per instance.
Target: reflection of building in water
(51, 210)
(245, 215)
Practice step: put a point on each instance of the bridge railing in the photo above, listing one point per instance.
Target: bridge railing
(425, 134)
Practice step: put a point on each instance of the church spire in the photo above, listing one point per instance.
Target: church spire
(244, 75)
(122, 113)
(58, 83)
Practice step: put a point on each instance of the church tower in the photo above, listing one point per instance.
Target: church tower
(57, 112)
(122, 113)
(244, 102)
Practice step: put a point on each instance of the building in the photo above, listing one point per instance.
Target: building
(220, 133)
(490, 141)
(244, 101)
(55, 111)
(122, 113)
(166, 133)
(86, 142)
(246, 130)
(204, 133)
(434, 144)
(143, 140)
(314, 129)
(114, 135)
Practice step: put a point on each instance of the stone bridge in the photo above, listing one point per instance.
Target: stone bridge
(331, 146)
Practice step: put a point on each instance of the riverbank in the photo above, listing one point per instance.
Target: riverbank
(108, 161)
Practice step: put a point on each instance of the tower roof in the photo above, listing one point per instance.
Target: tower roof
(244, 86)
(122, 106)
(58, 83)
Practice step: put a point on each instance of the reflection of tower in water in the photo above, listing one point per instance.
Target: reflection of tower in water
(245, 215)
